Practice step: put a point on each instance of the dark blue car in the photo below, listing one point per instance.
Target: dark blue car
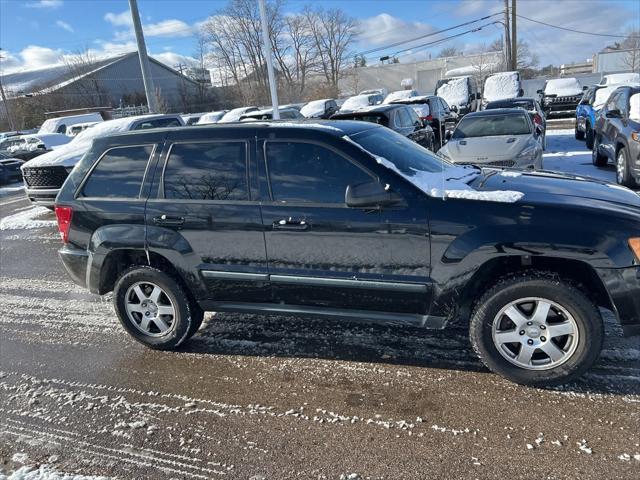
(9, 169)
(586, 116)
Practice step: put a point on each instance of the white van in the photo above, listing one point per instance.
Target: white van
(60, 124)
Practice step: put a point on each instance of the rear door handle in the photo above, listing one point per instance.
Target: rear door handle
(168, 221)
(292, 225)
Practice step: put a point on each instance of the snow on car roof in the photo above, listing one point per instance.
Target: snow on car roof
(400, 95)
(455, 91)
(563, 87)
(69, 154)
(602, 94)
(620, 78)
(501, 85)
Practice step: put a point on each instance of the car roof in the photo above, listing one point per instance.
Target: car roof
(496, 111)
(383, 108)
(337, 128)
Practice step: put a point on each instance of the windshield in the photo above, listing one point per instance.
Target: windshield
(354, 103)
(405, 154)
(492, 125)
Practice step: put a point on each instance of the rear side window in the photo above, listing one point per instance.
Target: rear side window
(207, 171)
(306, 172)
(119, 173)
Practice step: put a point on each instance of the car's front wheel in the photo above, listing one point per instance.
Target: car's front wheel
(579, 134)
(536, 330)
(589, 137)
(623, 171)
(154, 308)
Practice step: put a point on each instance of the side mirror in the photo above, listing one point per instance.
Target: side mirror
(447, 135)
(41, 146)
(370, 195)
(613, 114)
(586, 87)
(539, 91)
(454, 108)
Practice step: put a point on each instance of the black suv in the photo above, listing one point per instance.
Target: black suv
(351, 220)
(399, 118)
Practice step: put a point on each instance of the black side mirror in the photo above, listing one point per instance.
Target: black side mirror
(539, 91)
(585, 88)
(454, 108)
(41, 146)
(370, 195)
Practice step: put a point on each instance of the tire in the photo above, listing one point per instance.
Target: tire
(571, 310)
(624, 176)
(589, 137)
(597, 158)
(578, 134)
(137, 285)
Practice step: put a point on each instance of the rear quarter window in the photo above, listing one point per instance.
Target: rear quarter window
(118, 173)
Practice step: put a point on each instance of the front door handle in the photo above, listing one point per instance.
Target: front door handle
(292, 225)
(168, 221)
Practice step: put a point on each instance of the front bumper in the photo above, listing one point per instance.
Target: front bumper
(623, 286)
(42, 196)
(75, 263)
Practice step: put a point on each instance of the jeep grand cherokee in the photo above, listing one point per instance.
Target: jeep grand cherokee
(351, 220)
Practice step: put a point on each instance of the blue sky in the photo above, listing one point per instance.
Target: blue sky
(37, 33)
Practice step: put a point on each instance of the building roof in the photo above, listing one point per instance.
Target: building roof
(50, 79)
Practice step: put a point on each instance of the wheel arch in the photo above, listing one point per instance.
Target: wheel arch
(580, 274)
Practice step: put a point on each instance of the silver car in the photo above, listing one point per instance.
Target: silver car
(504, 137)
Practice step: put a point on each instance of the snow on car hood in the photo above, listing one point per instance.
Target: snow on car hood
(501, 86)
(455, 92)
(480, 149)
(563, 87)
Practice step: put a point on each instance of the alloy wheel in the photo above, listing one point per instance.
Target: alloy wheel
(535, 333)
(621, 166)
(150, 309)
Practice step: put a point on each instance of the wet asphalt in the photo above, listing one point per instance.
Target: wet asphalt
(257, 397)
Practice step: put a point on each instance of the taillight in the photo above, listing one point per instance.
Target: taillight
(428, 118)
(537, 119)
(63, 215)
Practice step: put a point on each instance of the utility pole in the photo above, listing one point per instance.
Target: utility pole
(507, 37)
(514, 37)
(180, 67)
(5, 103)
(149, 89)
(266, 46)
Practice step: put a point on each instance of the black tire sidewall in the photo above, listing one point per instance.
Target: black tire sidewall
(182, 325)
(586, 315)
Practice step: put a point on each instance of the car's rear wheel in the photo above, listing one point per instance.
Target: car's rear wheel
(536, 330)
(623, 171)
(154, 308)
(589, 137)
(597, 158)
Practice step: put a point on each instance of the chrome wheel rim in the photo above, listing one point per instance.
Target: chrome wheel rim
(150, 309)
(535, 333)
(620, 166)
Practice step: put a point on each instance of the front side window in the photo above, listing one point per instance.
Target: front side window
(622, 103)
(402, 118)
(306, 172)
(207, 171)
(119, 173)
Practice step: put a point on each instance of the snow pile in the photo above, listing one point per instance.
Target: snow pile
(27, 220)
(634, 107)
(501, 86)
(400, 95)
(455, 92)
(355, 103)
(46, 472)
(9, 189)
(452, 183)
(314, 109)
(563, 87)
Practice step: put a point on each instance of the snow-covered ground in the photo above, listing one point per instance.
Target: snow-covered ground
(11, 189)
(566, 154)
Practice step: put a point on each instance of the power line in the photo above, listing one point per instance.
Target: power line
(401, 42)
(572, 30)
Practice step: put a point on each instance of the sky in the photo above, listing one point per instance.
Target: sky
(37, 33)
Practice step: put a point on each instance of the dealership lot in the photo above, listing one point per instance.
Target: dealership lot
(273, 397)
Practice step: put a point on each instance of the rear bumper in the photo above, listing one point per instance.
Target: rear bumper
(75, 262)
(623, 286)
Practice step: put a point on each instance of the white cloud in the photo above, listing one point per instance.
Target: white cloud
(122, 19)
(35, 56)
(65, 26)
(45, 4)
(172, 59)
(384, 29)
(168, 28)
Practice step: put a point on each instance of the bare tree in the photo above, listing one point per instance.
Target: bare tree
(333, 34)
(631, 57)
(526, 59)
(449, 52)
